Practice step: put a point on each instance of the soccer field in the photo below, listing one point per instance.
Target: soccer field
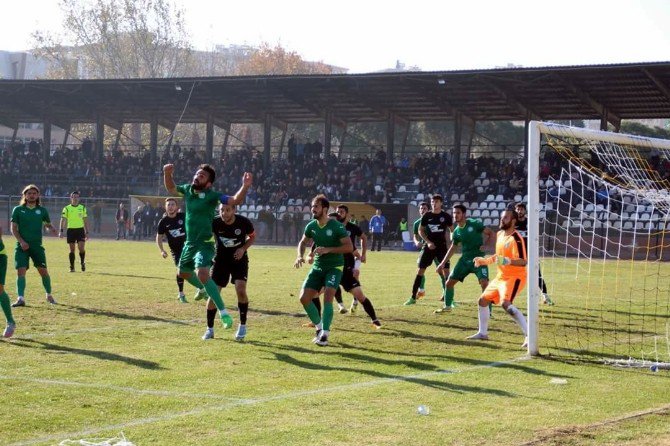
(119, 353)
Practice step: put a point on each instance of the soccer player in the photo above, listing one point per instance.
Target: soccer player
(522, 228)
(27, 221)
(332, 241)
(234, 236)
(172, 226)
(4, 298)
(434, 231)
(511, 259)
(419, 243)
(352, 267)
(76, 218)
(200, 203)
(469, 233)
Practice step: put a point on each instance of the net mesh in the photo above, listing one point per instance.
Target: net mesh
(605, 250)
(115, 441)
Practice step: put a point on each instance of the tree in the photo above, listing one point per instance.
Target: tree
(268, 60)
(118, 39)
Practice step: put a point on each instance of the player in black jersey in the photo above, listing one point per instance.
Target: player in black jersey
(522, 228)
(434, 230)
(234, 235)
(171, 226)
(352, 265)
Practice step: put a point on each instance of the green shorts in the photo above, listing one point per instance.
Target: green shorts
(197, 255)
(319, 278)
(3, 269)
(35, 252)
(465, 266)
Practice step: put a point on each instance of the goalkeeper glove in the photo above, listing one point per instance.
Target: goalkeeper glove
(504, 260)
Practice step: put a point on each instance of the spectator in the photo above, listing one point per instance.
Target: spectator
(121, 222)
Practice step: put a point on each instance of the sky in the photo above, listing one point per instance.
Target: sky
(367, 36)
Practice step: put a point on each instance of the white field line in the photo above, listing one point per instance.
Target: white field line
(253, 402)
(132, 390)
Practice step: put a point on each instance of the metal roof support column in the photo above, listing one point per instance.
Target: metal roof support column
(405, 135)
(281, 142)
(327, 135)
(46, 140)
(117, 139)
(209, 139)
(224, 146)
(66, 137)
(153, 142)
(267, 139)
(458, 129)
(14, 134)
(390, 138)
(99, 138)
(344, 135)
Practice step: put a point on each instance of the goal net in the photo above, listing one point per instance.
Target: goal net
(599, 234)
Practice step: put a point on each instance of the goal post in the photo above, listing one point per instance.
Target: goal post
(594, 230)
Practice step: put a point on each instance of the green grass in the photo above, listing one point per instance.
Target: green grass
(120, 354)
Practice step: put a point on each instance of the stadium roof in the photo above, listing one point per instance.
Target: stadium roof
(612, 92)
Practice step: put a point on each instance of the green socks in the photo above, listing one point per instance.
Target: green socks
(327, 315)
(213, 293)
(6, 307)
(21, 285)
(313, 313)
(193, 280)
(46, 283)
(448, 297)
(422, 286)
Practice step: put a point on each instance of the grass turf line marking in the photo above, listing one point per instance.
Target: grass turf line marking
(256, 401)
(167, 393)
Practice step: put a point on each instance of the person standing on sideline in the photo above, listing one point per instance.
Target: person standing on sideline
(137, 223)
(377, 224)
(121, 222)
(511, 259)
(4, 298)
(331, 241)
(434, 231)
(76, 219)
(200, 203)
(27, 221)
(522, 228)
(234, 236)
(171, 226)
(469, 233)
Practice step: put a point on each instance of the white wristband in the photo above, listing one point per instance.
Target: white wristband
(357, 264)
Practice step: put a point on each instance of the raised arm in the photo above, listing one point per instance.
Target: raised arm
(239, 196)
(171, 187)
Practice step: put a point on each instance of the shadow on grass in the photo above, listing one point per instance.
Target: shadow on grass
(134, 276)
(115, 315)
(98, 354)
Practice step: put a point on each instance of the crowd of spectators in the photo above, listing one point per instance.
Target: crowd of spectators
(301, 173)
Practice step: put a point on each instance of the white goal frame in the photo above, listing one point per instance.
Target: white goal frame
(535, 131)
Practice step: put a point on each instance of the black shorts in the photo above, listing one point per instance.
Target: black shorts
(428, 256)
(76, 235)
(224, 272)
(176, 254)
(348, 281)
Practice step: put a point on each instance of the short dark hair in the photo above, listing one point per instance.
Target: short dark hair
(75, 192)
(437, 197)
(460, 207)
(424, 203)
(333, 214)
(322, 200)
(343, 206)
(520, 205)
(210, 170)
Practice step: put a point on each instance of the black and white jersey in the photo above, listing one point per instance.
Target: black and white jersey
(230, 237)
(175, 231)
(436, 226)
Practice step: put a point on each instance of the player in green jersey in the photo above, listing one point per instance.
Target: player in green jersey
(76, 218)
(4, 298)
(331, 241)
(200, 203)
(27, 221)
(472, 235)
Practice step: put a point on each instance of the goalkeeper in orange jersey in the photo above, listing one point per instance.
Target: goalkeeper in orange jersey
(511, 259)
